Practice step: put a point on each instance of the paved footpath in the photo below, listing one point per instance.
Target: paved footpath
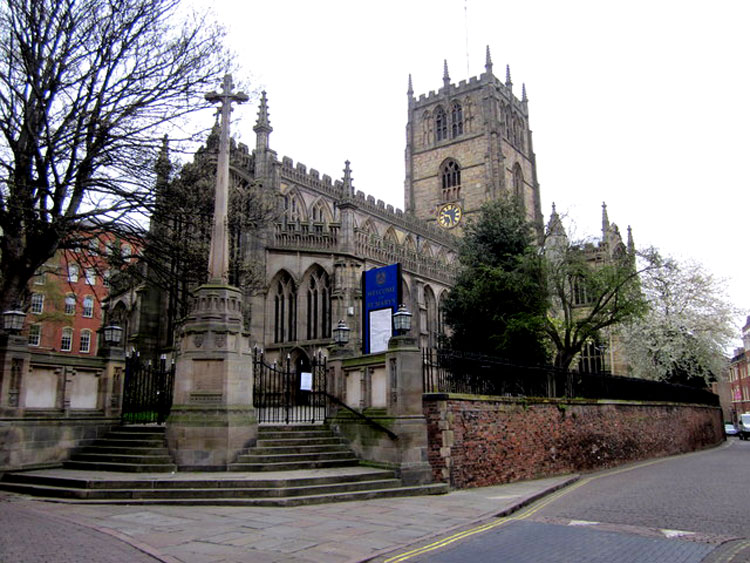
(36, 531)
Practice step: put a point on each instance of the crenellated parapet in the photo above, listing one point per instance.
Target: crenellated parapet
(465, 87)
(377, 208)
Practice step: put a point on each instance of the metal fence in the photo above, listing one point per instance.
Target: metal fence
(147, 391)
(284, 395)
(448, 371)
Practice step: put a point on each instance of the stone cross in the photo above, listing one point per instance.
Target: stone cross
(218, 258)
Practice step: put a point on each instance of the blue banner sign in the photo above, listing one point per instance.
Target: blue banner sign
(381, 289)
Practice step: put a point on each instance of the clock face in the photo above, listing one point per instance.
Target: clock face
(449, 215)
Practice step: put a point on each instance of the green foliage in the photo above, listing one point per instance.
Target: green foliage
(499, 301)
(591, 289)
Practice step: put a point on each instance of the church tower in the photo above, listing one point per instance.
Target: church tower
(466, 144)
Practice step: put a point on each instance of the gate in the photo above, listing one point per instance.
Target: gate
(283, 394)
(147, 392)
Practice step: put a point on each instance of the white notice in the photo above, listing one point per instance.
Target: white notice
(305, 381)
(380, 330)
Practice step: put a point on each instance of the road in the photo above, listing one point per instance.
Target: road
(689, 508)
(31, 535)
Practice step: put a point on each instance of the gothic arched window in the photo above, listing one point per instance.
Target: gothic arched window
(285, 310)
(518, 183)
(318, 306)
(441, 124)
(450, 174)
(457, 120)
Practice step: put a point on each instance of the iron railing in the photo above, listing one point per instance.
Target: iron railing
(449, 371)
(147, 391)
(280, 396)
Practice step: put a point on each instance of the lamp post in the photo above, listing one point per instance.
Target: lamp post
(401, 321)
(13, 321)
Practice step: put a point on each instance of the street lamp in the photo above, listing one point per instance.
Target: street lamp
(401, 321)
(341, 334)
(112, 334)
(13, 321)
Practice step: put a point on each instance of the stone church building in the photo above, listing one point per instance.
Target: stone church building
(467, 143)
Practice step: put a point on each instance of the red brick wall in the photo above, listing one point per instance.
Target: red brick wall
(479, 442)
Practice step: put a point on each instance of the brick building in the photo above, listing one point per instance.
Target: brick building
(65, 303)
(739, 375)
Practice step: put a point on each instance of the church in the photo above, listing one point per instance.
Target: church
(300, 262)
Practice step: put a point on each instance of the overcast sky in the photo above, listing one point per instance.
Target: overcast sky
(642, 104)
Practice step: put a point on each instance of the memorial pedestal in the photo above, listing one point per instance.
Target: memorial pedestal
(212, 415)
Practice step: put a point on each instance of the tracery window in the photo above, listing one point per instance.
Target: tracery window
(285, 310)
(580, 293)
(518, 190)
(292, 208)
(451, 180)
(591, 359)
(457, 120)
(318, 306)
(441, 124)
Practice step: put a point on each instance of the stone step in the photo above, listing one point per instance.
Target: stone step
(124, 467)
(292, 427)
(278, 442)
(121, 458)
(254, 457)
(116, 442)
(125, 434)
(289, 466)
(74, 479)
(65, 495)
(295, 435)
(142, 428)
(127, 450)
(302, 449)
(199, 493)
(132, 449)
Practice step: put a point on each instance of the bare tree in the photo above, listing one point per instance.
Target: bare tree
(87, 88)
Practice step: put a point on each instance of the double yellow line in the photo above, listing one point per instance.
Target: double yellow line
(523, 514)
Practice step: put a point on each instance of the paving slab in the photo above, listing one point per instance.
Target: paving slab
(341, 532)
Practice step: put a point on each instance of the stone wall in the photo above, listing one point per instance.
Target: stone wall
(46, 441)
(478, 441)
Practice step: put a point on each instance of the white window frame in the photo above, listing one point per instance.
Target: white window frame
(90, 275)
(73, 272)
(66, 339)
(37, 303)
(70, 299)
(35, 334)
(88, 312)
(85, 342)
